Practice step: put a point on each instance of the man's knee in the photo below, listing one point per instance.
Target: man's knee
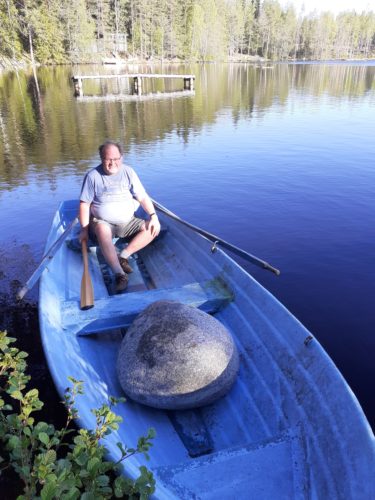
(103, 231)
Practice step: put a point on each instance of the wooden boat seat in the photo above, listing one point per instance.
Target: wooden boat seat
(119, 311)
(275, 468)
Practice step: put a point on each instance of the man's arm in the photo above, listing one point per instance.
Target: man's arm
(148, 207)
(84, 219)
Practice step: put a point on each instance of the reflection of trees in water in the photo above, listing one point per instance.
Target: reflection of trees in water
(12, 144)
(50, 130)
(262, 87)
(341, 81)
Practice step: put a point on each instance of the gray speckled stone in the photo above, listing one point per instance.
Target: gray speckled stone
(175, 356)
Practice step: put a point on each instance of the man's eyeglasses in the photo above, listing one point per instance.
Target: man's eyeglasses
(110, 160)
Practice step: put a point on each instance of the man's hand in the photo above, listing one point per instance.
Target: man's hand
(84, 234)
(154, 226)
(84, 218)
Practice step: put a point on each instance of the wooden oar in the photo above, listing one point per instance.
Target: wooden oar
(45, 261)
(87, 291)
(217, 241)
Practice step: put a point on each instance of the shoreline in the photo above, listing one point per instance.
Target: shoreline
(7, 64)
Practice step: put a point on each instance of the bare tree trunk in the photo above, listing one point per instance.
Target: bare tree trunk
(141, 33)
(267, 44)
(132, 24)
(117, 22)
(33, 61)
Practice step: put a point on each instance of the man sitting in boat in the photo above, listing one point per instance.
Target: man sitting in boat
(107, 210)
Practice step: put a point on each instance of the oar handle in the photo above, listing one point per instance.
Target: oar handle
(84, 255)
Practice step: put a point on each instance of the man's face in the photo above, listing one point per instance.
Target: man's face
(111, 160)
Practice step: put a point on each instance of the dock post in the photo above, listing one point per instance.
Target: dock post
(78, 91)
(189, 83)
(138, 85)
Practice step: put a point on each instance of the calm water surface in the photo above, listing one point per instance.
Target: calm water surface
(279, 161)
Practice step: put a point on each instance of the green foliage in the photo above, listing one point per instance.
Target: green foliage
(85, 30)
(10, 42)
(48, 44)
(79, 30)
(49, 465)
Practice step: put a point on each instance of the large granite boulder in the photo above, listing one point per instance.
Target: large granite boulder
(175, 356)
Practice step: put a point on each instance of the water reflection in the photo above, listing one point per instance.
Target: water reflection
(43, 125)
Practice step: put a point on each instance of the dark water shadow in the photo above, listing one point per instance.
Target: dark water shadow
(20, 320)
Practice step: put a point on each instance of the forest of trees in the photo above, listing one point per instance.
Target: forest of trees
(61, 31)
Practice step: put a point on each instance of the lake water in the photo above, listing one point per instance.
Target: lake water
(277, 160)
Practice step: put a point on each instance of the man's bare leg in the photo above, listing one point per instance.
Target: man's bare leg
(104, 235)
(140, 240)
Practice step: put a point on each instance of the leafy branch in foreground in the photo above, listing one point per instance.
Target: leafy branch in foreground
(50, 466)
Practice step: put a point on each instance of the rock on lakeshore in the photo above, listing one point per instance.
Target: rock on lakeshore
(175, 357)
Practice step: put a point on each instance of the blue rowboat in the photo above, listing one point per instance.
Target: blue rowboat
(290, 428)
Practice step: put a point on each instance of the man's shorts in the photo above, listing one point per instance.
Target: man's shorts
(119, 230)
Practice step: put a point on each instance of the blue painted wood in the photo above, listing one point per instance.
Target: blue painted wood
(192, 431)
(119, 311)
(289, 428)
(262, 465)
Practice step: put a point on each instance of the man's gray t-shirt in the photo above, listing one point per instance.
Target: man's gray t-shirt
(112, 196)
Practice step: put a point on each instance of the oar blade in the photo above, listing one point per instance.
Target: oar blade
(87, 293)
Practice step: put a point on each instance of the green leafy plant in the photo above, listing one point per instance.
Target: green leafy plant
(61, 463)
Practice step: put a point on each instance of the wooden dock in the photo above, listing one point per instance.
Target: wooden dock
(188, 80)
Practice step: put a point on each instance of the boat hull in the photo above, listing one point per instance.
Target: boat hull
(289, 428)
